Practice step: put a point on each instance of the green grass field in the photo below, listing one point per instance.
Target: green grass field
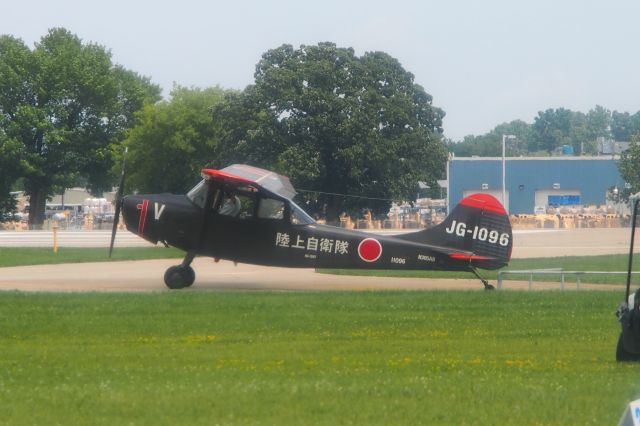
(20, 256)
(233, 357)
(612, 262)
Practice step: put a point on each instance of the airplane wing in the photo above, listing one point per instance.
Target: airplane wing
(266, 179)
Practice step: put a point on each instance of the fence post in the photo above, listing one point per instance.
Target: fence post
(55, 237)
(563, 278)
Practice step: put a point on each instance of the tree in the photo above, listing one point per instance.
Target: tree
(340, 124)
(559, 127)
(9, 172)
(66, 104)
(586, 129)
(599, 123)
(173, 141)
(551, 129)
(621, 127)
(490, 144)
(624, 125)
(629, 166)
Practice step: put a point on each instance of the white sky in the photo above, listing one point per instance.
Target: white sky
(484, 62)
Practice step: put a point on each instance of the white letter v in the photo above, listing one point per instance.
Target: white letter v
(158, 211)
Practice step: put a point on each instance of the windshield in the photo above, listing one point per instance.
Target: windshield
(198, 194)
(299, 216)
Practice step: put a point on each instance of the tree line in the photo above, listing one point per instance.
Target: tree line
(63, 106)
(337, 124)
(334, 122)
(551, 130)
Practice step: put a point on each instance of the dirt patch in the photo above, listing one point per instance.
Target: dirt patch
(148, 275)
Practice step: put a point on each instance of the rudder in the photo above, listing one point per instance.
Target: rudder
(479, 227)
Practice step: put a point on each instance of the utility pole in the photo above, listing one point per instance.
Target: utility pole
(504, 192)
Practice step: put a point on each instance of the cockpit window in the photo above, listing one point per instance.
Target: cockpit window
(238, 205)
(270, 208)
(198, 194)
(299, 217)
(231, 206)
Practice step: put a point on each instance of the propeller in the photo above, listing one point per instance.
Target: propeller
(119, 197)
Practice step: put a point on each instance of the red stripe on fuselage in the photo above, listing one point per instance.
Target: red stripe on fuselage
(464, 256)
(143, 215)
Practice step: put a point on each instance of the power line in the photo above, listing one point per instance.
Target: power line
(345, 195)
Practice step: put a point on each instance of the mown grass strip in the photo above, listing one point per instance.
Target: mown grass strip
(20, 256)
(236, 357)
(613, 262)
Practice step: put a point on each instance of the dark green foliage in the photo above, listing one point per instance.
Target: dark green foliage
(550, 130)
(555, 128)
(490, 144)
(7, 206)
(629, 166)
(10, 167)
(172, 141)
(62, 105)
(337, 123)
(624, 125)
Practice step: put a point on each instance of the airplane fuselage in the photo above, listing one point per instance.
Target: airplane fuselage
(250, 218)
(174, 220)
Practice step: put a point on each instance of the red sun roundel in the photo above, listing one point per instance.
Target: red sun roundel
(369, 249)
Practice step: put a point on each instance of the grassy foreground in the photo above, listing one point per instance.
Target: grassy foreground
(312, 358)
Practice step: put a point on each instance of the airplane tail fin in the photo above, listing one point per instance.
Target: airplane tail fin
(477, 230)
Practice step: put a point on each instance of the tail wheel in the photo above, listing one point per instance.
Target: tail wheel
(179, 276)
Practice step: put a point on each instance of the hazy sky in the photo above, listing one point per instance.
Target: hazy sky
(484, 62)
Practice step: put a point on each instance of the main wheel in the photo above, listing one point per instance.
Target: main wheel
(189, 275)
(178, 276)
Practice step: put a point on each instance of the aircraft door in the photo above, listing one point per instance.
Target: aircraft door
(243, 227)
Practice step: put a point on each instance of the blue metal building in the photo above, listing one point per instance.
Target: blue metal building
(533, 183)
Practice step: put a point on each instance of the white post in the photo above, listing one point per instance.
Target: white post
(448, 183)
(504, 191)
(504, 139)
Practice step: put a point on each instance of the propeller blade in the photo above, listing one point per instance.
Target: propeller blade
(115, 226)
(116, 217)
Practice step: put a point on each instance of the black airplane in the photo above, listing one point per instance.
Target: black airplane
(246, 214)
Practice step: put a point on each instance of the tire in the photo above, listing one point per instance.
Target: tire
(178, 276)
(189, 276)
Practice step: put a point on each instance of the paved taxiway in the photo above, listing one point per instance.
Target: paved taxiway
(147, 275)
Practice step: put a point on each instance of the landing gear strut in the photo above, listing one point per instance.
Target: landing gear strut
(181, 276)
(486, 284)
